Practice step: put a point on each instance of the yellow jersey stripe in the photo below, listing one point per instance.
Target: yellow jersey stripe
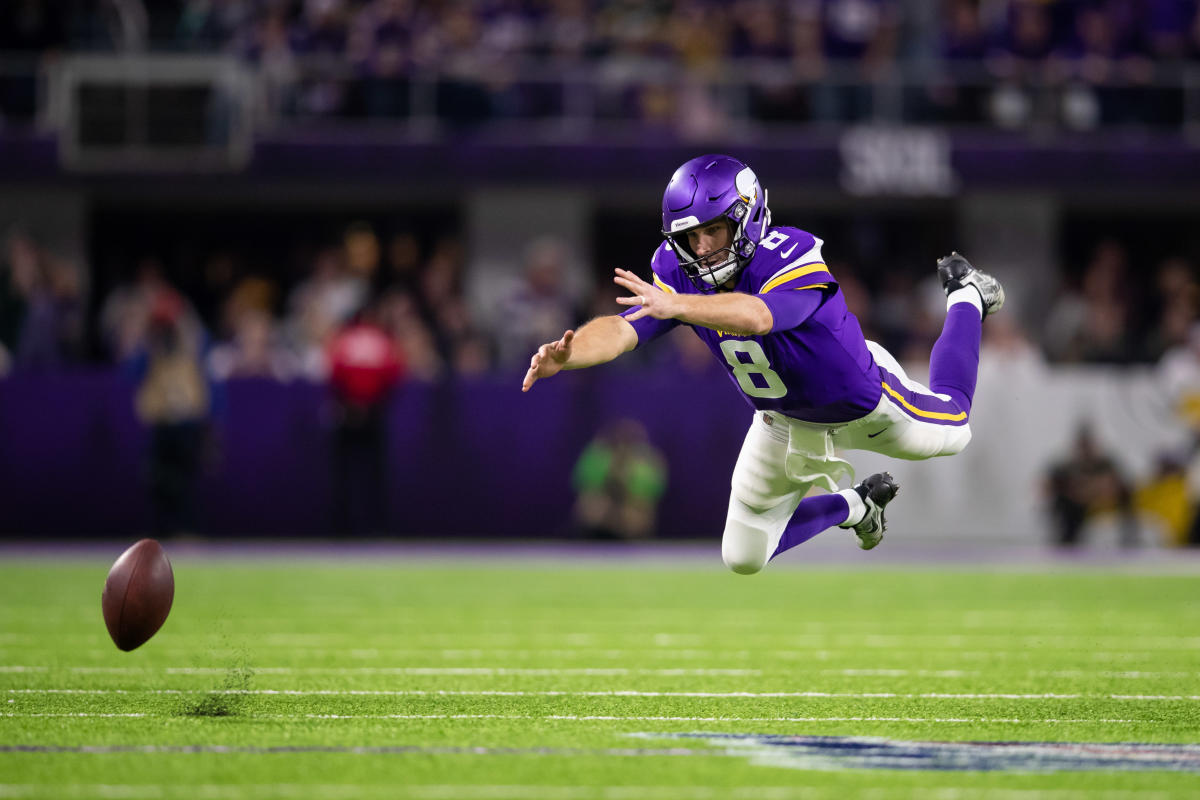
(659, 283)
(791, 275)
(921, 412)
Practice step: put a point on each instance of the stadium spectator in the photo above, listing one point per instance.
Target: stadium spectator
(955, 93)
(1179, 374)
(447, 313)
(1167, 28)
(619, 479)
(1174, 308)
(1179, 378)
(175, 399)
(537, 308)
(32, 34)
(126, 310)
(364, 369)
(1105, 70)
(1092, 323)
(322, 303)
(41, 319)
(403, 263)
(780, 55)
(268, 45)
(1018, 62)
(380, 47)
(255, 351)
(1167, 500)
(400, 315)
(208, 25)
(655, 63)
(1085, 484)
(861, 34)
(17, 274)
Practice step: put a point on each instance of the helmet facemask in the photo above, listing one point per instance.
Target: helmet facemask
(710, 272)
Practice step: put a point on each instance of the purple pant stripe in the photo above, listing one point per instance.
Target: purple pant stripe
(813, 515)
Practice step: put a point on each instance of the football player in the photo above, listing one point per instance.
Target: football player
(763, 300)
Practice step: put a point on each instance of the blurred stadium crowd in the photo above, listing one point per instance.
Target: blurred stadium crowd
(1080, 63)
(1114, 308)
(184, 304)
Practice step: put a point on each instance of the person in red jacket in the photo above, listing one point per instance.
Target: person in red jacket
(364, 368)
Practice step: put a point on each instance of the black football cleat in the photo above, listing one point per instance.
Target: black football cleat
(876, 491)
(956, 272)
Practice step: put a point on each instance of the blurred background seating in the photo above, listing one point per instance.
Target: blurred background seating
(467, 175)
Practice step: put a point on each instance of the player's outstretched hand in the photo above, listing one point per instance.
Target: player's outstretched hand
(549, 360)
(654, 302)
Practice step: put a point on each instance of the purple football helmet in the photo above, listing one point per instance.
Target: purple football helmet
(708, 188)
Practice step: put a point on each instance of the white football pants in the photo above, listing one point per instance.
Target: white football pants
(782, 459)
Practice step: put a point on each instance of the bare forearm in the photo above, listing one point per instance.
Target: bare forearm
(600, 341)
(732, 312)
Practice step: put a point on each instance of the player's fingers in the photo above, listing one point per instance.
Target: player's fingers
(530, 378)
(625, 276)
(641, 312)
(637, 282)
(630, 301)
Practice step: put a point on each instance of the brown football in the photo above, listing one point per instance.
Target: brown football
(138, 594)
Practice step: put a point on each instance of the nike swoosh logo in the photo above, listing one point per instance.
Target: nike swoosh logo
(873, 435)
(788, 252)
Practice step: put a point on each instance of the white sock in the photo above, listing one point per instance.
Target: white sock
(858, 509)
(967, 294)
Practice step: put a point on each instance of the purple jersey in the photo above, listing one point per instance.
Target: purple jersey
(814, 365)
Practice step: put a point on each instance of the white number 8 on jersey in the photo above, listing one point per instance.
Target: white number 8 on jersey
(758, 365)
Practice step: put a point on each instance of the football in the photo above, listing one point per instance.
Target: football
(138, 594)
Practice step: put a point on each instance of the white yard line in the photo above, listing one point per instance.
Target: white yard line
(1032, 673)
(849, 672)
(211, 791)
(621, 693)
(534, 671)
(651, 640)
(715, 653)
(468, 791)
(610, 718)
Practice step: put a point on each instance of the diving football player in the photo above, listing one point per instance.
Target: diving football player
(763, 300)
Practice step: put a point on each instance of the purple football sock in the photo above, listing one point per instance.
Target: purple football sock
(954, 362)
(813, 515)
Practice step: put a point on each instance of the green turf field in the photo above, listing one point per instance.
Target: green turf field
(561, 681)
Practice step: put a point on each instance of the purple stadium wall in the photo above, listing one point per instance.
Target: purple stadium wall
(475, 458)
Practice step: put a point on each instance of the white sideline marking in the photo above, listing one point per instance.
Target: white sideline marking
(672, 654)
(648, 641)
(607, 718)
(1032, 673)
(210, 791)
(613, 718)
(70, 714)
(618, 693)
(468, 791)
(849, 672)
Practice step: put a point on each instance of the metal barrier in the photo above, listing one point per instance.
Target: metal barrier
(186, 112)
